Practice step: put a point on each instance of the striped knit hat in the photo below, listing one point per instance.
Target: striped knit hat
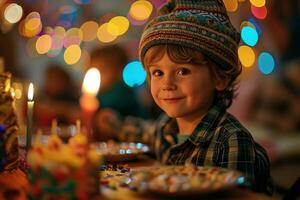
(202, 25)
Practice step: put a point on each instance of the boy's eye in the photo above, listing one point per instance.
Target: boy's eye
(157, 73)
(183, 71)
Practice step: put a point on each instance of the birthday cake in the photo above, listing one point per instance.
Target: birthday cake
(63, 171)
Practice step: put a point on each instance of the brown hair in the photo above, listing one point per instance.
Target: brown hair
(180, 54)
(114, 54)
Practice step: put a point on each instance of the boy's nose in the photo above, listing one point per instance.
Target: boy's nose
(168, 84)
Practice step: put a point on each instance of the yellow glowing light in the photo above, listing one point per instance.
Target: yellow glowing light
(121, 23)
(72, 54)
(33, 21)
(91, 82)
(246, 56)
(231, 5)
(112, 29)
(258, 3)
(43, 44)
(89, 30)
(13, 13)
(103, 35)
(32, 25)
(30, 92)
(140, 10)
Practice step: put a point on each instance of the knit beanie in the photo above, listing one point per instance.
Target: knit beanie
(202, 25)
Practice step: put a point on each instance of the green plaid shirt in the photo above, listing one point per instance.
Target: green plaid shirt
(218, 140)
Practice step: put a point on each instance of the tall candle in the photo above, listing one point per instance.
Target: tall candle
(30, 104)
(88, 101)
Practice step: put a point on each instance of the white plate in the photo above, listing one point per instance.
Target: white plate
(174, 181)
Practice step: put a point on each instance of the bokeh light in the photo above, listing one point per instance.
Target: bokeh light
(89, 30)
(136, 22)
(259, 12)
(246, 55)
(266, 63)
(249, 36)
(121, 23)
(134, 74)
(258, 3)
(13, 13)
(140, 10)
(72, 54)
(103, 35)
(231, 5)
(68, 16)
(32, 25)
(43, 44)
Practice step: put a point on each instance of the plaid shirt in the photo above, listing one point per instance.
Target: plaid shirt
(218, 140)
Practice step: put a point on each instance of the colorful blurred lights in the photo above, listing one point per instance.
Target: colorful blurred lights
(231, 5)
(266, 63)
(121, 23)
(259, 12)
(43, 44)
(258, 3)
(134, 74)
(72, 54)
(140, 10)
(13, 13)
(246, 55)
(249, 36)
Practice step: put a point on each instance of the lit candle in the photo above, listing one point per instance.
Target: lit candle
(30, 104)
(88, 101)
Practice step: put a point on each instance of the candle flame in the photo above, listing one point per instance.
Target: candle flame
(91, 82)
(30, 92)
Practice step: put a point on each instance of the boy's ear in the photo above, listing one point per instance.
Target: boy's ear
(221, 82)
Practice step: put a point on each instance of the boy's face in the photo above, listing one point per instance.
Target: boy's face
(182, 90)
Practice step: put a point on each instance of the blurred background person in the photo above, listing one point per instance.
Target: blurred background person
(58, 99)
(114, 94)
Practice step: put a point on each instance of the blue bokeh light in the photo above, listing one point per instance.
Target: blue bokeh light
(266, 63)
(249, 36)
(134, 74)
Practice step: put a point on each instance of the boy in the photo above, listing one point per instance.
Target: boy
(190, 54)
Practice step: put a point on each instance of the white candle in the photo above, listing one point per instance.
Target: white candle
(30, 104)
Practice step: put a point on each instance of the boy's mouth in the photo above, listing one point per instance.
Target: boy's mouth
(170, 100)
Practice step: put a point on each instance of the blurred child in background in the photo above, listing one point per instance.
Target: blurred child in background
(114, 93)
(58, 99)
